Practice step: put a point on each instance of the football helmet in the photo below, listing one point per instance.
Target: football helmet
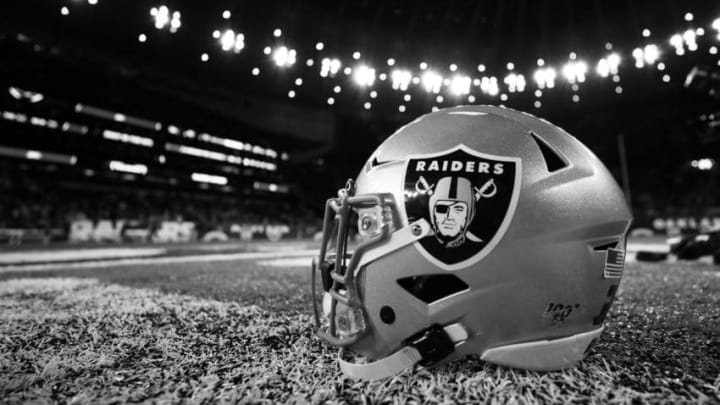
(471, 230)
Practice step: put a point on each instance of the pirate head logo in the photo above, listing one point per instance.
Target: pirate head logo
(467, 197)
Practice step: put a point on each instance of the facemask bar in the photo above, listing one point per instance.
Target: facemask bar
(340, 272)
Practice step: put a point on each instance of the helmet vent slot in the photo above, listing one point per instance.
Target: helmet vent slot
(553, 159)
(433, 287)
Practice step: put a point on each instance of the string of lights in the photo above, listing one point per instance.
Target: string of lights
(451, 84)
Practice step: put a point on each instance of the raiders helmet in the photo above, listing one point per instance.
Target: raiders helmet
(471, 230)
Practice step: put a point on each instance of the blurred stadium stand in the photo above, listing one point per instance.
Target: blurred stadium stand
(95, 125)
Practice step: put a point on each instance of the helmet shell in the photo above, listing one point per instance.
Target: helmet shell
(542, 277)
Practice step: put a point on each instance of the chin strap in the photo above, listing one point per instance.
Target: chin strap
(425, 348)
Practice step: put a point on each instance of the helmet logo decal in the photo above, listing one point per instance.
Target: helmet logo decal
(467, 197)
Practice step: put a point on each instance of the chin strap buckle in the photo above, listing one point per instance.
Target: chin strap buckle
(425, 349)
(433, 344)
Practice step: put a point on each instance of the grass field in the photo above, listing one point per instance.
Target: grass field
(240, 330)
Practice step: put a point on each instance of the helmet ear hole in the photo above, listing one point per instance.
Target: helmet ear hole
(387, 315)
(433, 287)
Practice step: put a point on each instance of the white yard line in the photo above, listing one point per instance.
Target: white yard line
(154, 261)
(37, 256)
(301, 261)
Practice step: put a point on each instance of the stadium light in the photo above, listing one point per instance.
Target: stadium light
(38, 155)
(136, 168)
(64, 11)
(364, 75)
(690, 38)
(163, 18)
(229, 41)
(329, 67)
(460, 85)
(209, 178)
(401, 79)
(639, 59)
(574, 72)
(703, 164)
(677, 42)
(19, 94)
(432, 82)
(489, 85)
(284, 57)
(651, 54)
(545, 77)
(272, 187)
(515, 82)
(175, 22)
(128, 138)
(613, 61)
(603, 68)
(226, 14)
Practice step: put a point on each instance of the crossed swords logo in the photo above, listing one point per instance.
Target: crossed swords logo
(488, 190)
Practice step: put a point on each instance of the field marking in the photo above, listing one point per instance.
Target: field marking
(152, 261)
(648, 246)
(287, 262)
(38, 256)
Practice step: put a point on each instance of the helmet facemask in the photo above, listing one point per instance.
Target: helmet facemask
(338, 261)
